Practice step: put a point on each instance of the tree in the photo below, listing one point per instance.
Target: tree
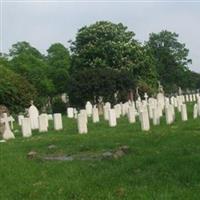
(171, 59)
(15, 91)
(30, 63)
(58, 59)
(105, 45)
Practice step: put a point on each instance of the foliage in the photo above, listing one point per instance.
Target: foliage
(107, 46)
(15, 91)
(93, 83)
(171, 59)
(30, 63)
(58, 106)
(58, 60)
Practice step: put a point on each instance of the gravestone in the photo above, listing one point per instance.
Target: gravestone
(20, 117)
(195, 111)
(58, 121)
(84, 113)
(43, 123)
(50, 117)
(169, 114)
(26, 127)
(11, 122)
(112, 118)
(82, 124)
(156, 116)
(145, 125)
(184, 112)
(33, 115)
(131, 114)
(70, 112)
(95, 115)
(7, 133)
(88, 108)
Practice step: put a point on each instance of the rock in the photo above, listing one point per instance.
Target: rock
(118, 154)
(52, 146)
(125, 148)
(107, 155)
(32, 154)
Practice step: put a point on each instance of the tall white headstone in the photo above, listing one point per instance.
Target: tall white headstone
(184, 112)
(33, 114)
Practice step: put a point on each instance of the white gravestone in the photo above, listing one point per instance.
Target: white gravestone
(184, 112)
(58, 121)
(84, 113)
(131, 114)
(145, 125)
(112, 118)
(106, 112)
(50, 117)
(82, 124)
(43, 126)
(169, 114)
(95, 115)
(88, 108)
(7, 133)
(33, 114)
(70, 112)
(195, 111)
(156, 117)
(26, 127)
(11, 122)
(20, 117)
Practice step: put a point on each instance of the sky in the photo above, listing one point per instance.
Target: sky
(42, 23)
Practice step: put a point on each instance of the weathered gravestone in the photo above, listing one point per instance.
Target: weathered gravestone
(7, 133)
(88, 108)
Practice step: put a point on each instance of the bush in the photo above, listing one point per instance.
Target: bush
(15, 91)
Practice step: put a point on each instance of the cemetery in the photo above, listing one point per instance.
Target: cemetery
(108, 117)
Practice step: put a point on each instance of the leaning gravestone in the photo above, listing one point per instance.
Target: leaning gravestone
(33, 114)
(7, 133)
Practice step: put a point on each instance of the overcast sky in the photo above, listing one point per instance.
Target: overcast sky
(42, 23)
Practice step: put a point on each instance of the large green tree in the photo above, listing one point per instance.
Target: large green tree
(30, 63)
(105, 45)
(58, 59)
(171, 59)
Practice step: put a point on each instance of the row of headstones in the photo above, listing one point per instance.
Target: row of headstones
(148, 109)
(34, 121)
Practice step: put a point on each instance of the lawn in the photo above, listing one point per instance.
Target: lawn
(162, 164)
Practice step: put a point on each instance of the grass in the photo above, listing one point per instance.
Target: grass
(163, 163)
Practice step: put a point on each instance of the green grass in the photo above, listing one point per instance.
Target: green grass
(163, 163)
